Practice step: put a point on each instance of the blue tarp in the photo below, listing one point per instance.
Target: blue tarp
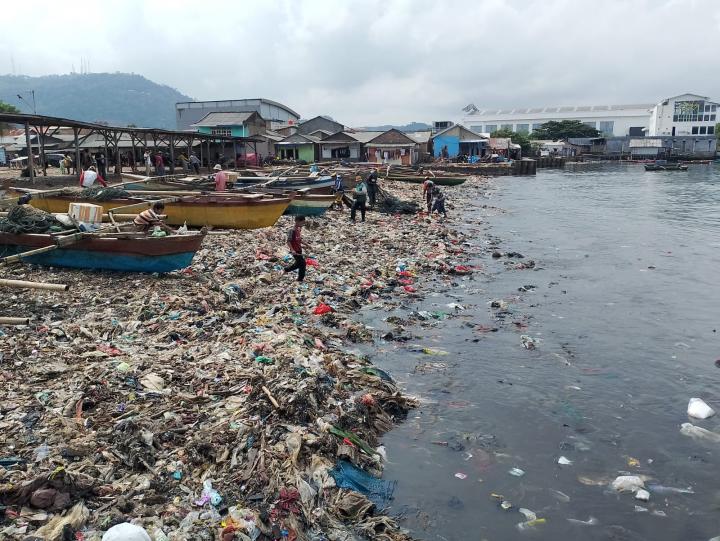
(378, 491)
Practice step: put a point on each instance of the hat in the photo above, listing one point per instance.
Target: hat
(217, 167)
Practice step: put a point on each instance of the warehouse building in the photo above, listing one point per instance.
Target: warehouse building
(188, 113)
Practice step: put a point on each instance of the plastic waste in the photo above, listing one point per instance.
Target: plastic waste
(126, 532)
(321, 309)
(642, 495)
(209, 494)
(564, 461)
(183, 229)
(530, 524)
(698, 409)
(699, 433)
(461, 475)
(517, 472)
(591, 521)
(41, 452)
(529, 515)
(528, 342)
(660, 489)
(628, 483)
(347, 475)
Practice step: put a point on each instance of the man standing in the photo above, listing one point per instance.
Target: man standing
(159, 164)
(338, 192)
(295, 244)
(195, 162)
(359, 196)
(147, 157)
(372, 186)
(101, 164)
(220, 178)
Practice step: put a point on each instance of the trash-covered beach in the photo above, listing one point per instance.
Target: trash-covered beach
(224, 401)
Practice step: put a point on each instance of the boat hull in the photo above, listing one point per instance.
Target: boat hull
(148, 254)
(309, 205)
(216, 211)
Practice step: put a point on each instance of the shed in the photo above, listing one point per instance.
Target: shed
(392, 147)
(298, 147)
(647, 148)
(308, 127)
(457, 141)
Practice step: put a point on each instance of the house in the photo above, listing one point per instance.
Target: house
(585, 145)
(341, 146)
(425, 143)
(308, 127)
(234, 124)
(503, 146)
(392, 147)
(266, 142)
(457, 141)
(298, 147)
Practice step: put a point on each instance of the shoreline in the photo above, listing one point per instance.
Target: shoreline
(143, 387)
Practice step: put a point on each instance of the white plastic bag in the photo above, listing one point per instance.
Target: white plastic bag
(628, 483)
(698, 433)
(699, 409)
(126, 532)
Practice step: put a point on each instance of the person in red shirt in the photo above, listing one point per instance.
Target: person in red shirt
(220, 178)
(159, 165)
(295, 244)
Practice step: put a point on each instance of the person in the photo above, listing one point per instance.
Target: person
(359, 198)
(372, 186)
(295, 244)
(101, 164)
(439, 202)
(148, 163)
(184, 162)
(85, 159)
(159, 164)
(149, 218)
(61, 164)
(221, 178)
(195, 162)
(89, 176)
(338, 191)
(428, 186)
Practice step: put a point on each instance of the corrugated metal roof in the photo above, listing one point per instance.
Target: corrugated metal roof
(212, 120)
(365, 136)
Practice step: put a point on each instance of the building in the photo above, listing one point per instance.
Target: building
(392, 147)
(647, 148)
(324, 125)
(608, 119)
(341, 146)
(298, 147)
(686, 114)
(235, 124)
(457, 141)
(188, 113)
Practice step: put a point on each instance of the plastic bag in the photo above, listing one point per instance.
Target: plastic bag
(378, 491)
(698, 409)
(628, 483)
(321, 309)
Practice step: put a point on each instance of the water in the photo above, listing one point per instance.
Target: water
(625, 317)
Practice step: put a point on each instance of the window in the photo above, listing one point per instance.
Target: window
(591, 124)
(489, 128)
(221, 131)
(703, 130)
(707, 118)
(607, 127)
(536, 126)
(712, 118)
(476, 129)
(707, 108)
(675, 118)
(695, 130)
(522, 128)
(712, 108)
(711, 130)
(506, 127)
(687, 111)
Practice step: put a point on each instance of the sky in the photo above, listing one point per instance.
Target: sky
(383, 61)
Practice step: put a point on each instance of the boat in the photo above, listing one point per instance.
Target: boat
(665, 167)
(128, 252)
(419, 179)
(307, 204)
(316, 185)
(252, 211)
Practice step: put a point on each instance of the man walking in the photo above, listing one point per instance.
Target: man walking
(195, 163)
(295, 244)
(359, 196)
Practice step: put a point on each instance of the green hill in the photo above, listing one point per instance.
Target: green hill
(116, 98)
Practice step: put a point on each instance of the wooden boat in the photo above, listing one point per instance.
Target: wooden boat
(419, 179)
(129, 252)
(665, 167)
(316, 185)
(197, 210)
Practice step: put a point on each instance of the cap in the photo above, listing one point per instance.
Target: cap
(217, 167)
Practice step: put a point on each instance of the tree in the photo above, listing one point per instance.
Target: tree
(519, 138)
(6, 108)
(563, 130)
(717, 131)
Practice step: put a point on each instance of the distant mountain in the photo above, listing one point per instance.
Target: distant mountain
(413, 126)
(116, 98)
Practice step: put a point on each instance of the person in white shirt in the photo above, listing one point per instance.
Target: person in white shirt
(89, 176)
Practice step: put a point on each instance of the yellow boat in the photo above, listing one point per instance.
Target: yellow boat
(230, 212)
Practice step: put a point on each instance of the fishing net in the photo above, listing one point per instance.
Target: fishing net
(27, 219)
(99, 193)
(390, 204)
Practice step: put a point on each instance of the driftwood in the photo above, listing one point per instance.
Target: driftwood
(33, 285)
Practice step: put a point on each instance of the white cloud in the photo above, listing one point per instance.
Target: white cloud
(374, 61)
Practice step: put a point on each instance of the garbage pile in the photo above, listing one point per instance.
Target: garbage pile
(224, 401)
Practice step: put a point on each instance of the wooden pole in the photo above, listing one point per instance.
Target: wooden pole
(77, 153)
(41, 137)
(201, 153)
(172, 155)
(14, 321)
(30, 153)
(118, 158)
(33, 285)
(19, 257)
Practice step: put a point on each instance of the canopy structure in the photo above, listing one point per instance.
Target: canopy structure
(111, 137)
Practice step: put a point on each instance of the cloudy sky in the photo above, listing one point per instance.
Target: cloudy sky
(378, 61)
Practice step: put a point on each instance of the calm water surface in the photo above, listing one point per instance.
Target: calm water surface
(624, 314)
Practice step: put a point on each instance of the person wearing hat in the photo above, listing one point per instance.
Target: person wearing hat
(220, 178)
(338, 191)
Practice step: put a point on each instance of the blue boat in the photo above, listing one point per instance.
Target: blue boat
(131, 252)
